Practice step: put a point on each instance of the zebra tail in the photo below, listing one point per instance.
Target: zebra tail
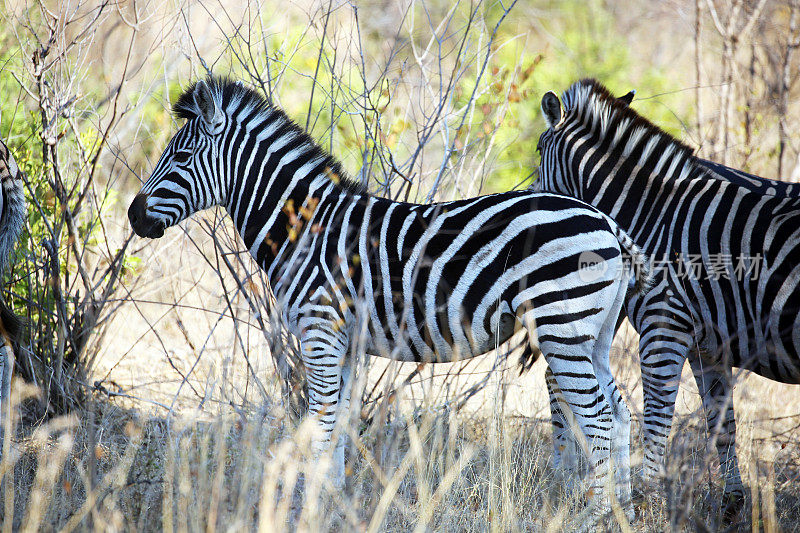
(11, 326)
(636, 261)
(12, 217)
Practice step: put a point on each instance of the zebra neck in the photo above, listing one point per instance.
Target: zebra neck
(278, 178)
(272, 226)
(638, 188)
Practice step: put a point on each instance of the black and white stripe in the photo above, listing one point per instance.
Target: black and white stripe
(440, 282)
(12, 218)
(12, 205)
(688, 215)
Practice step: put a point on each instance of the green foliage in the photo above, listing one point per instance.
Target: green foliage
(63, 228)
(587, 45)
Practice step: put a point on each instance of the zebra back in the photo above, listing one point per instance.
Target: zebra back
(748, 181)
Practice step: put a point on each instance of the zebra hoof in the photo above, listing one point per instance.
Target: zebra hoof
(733, 503)
(627, 509)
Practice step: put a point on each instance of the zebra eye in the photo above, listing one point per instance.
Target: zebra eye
(182, 156)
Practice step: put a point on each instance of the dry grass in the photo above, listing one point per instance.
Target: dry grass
(421, 466)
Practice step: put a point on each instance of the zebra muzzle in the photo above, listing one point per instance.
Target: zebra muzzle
(144, 225)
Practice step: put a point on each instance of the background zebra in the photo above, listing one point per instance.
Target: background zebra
(430, 283)
(12, 217)
(728, 250)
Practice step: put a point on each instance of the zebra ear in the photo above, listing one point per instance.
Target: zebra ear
(551, 108)
(628, 98)
(209, 110)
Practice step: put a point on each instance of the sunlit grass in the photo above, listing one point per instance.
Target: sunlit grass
(425, 468)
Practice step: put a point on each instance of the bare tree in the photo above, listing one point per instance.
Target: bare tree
(793, 42)
(71, 266)
(734, 27)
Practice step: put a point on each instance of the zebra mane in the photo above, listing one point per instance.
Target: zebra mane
(235, 98)
(589, 102)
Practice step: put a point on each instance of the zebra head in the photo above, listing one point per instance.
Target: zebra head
(572, 129)
(553, 171)
(187, 177)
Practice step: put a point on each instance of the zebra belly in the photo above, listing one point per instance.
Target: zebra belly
(790, 376)
(763, 337)
(779, 357)
(459, 346)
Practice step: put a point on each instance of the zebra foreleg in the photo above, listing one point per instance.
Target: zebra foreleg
(342, 418)
(323, 345)
(662, 361)
(6, 371)
(716, 390)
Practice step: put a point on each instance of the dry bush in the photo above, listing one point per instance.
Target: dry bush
(59, 123)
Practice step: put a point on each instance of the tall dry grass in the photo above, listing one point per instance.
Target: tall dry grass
(421, 467)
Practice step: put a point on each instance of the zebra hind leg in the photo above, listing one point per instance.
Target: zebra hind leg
(621, 427)
(620, 446)
(573, 372)
(716, 391)
(568, 456)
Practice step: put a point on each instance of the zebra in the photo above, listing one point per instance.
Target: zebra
(727, 245)
(12, 218)
(426, 283)
(749, 181)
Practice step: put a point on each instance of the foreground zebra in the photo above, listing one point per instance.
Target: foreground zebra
(727, 245)
(12, 217)
(431, 283)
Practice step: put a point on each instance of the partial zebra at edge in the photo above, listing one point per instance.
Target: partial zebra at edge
(12, 218)
(726, 292)
(12, 205)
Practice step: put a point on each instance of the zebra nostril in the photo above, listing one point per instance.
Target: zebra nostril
(137, 213)
(144, 224)
(136, 210)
